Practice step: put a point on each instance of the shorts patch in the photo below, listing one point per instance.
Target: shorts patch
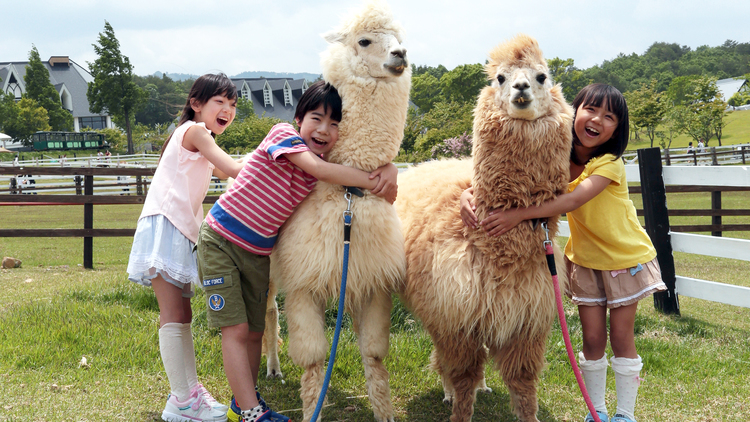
(213, 282)
(216, 302)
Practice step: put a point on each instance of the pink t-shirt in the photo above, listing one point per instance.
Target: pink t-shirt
(264, 194)
(180, 185)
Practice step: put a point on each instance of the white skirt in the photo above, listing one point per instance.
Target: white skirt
(159, 248)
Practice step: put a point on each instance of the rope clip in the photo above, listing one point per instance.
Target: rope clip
(546, 235)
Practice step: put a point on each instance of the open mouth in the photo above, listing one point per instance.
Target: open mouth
(521, 101)
(222, 121)
(592, 131)
(319, 142)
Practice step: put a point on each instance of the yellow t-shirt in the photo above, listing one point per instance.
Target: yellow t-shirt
(605, 233)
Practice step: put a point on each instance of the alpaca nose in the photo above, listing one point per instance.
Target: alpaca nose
(400, 53)
(521, 85)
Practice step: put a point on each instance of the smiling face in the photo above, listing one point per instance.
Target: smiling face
(319, 130)
(217, 113)
(594, 125)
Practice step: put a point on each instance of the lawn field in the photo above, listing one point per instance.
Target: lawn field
(53, 313)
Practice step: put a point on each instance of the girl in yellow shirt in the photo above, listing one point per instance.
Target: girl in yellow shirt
(611, 260)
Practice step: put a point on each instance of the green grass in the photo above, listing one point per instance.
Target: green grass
(53, 312)
(736, 132)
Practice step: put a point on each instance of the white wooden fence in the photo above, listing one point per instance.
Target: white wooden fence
(720, 247)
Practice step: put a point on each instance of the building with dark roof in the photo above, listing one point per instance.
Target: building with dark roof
(272, 97)
(71, 82)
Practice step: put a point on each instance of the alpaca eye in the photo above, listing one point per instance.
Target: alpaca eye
(501, 79)
(541, 78)
(364, 42)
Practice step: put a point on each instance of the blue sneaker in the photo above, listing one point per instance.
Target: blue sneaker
(621, 418)
(602, 417)
(234, 414)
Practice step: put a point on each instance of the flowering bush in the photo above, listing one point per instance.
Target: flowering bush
(453, 147)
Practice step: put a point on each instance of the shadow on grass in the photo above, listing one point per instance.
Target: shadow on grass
(494, 406)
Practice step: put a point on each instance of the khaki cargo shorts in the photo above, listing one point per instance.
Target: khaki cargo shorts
(235, 281)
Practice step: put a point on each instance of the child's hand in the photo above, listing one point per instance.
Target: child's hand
(467, 209)
(387, 187)
(499, 222)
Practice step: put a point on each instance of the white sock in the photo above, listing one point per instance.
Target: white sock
(252, 414)
(595, 375)
(188, 356)
(170, 346)
(627, 380)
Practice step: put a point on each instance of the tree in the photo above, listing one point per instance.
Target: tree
(463, 83)
(113, 88)
(40, 89)
(246, 135)
(564, 72)
(24, 119)
(425, 91)
(646, 109)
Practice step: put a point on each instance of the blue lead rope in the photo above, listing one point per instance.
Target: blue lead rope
(340, 315)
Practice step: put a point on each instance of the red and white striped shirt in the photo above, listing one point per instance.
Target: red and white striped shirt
(264, 194)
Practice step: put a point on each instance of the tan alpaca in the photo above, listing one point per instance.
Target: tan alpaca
(368, 67)
(471, 290)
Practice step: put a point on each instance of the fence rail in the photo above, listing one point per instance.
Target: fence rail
(666, 239)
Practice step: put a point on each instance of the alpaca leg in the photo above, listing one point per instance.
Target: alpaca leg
(461, 360)
(448, 391)
(271, 339)
(307, 345)
(373, 326)
(520, 363)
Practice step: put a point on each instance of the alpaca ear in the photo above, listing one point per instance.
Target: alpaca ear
(333, 37)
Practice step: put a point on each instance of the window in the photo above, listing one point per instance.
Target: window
(93, 122)
(267, 96)
(245, 92)
(287, 94)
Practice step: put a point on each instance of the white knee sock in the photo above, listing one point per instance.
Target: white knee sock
(595, 375)
(627, 380)
(188, 355)
(170, 346)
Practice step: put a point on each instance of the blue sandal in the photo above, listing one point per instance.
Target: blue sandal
(621, 418)
(602, 416)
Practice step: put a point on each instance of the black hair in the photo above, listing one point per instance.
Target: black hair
(204, 88)
(316, 94)
(609, 97)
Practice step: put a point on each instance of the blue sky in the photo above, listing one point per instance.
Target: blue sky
(230, 36)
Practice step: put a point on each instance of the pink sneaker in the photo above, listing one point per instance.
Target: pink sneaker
(194, 409)
(200, 391)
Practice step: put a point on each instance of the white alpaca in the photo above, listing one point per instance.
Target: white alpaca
(471, 290)
(368, 67)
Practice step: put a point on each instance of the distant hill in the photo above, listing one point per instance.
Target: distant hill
(184, 76)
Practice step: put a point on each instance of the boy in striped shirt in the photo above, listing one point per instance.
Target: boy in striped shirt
(239, 232)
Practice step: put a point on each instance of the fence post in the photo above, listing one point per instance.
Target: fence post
(88, 222)
(13, 185)
(714, 159)
(743, 154)
(77, 180)
(667, 158)
(657, 225)
(138, 185)
(716, 205)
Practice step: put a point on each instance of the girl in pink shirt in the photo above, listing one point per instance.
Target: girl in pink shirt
(162, 255)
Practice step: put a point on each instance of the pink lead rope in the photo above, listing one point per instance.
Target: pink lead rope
(564, 324)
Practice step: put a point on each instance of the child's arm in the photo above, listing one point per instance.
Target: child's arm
(387, 183)
(499, 222)
(338, 174)
(197, 139)
(468, 207)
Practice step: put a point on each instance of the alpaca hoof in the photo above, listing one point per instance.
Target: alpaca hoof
(274, 373)
(485, 389)
(448, 400)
